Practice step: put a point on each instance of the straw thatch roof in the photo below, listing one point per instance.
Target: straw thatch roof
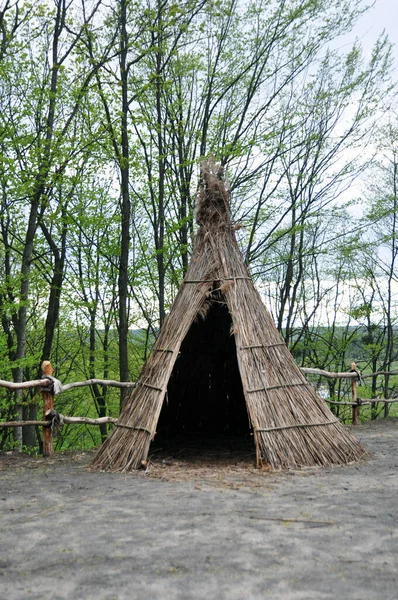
(220, 365)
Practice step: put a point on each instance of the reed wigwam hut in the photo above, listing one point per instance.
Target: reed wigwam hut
(219, 365)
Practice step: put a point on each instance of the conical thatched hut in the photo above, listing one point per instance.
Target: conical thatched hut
(220, 364)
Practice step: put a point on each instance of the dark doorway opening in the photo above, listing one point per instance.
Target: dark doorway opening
(205, 406)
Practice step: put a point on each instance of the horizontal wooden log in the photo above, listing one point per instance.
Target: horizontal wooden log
(64, 419)
(373, 400)
(110, 382)
(44, 383)
(24, 385)
(337, 403)
(362, 402)
(87, 420)
(329, 375)
(332, 375)
(24, 423)
(379, 373)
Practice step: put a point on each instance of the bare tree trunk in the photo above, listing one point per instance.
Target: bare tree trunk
(39, 188)
(159, 237)
(125, 209)
(394, 252)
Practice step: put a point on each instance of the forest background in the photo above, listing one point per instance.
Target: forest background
(106, 111)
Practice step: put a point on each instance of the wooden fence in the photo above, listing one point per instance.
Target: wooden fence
(355, 376)
(53, 420)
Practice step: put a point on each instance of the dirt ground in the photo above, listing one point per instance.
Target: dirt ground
(216, 531)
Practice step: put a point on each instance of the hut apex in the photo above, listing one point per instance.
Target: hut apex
(219, 366)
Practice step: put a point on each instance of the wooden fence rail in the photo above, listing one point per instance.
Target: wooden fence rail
(63, 419)
(348, 375)
(47, 383)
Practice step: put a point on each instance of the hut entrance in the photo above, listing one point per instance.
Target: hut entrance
(205, 406)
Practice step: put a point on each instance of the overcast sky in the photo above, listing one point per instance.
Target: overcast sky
(383, 15)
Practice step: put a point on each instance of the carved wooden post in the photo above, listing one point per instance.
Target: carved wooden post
(48, 405)
(354, 385)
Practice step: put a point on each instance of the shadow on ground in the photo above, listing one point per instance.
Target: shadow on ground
(206, 530)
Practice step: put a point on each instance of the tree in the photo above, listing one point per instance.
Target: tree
(383, 217)
(36, 136)
(248, 93)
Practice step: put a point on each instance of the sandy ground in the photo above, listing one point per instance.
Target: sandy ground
(218, 532)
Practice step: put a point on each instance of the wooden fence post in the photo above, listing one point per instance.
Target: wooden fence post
(355, 407)
(48, 405)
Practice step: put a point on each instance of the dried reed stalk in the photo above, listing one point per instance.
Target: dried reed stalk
(292, 426)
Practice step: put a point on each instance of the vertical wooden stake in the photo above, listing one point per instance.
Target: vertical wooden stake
(48, 404)
(354, 385)
(258, 455)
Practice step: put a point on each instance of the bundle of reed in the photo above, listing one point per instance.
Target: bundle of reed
(292, 426)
